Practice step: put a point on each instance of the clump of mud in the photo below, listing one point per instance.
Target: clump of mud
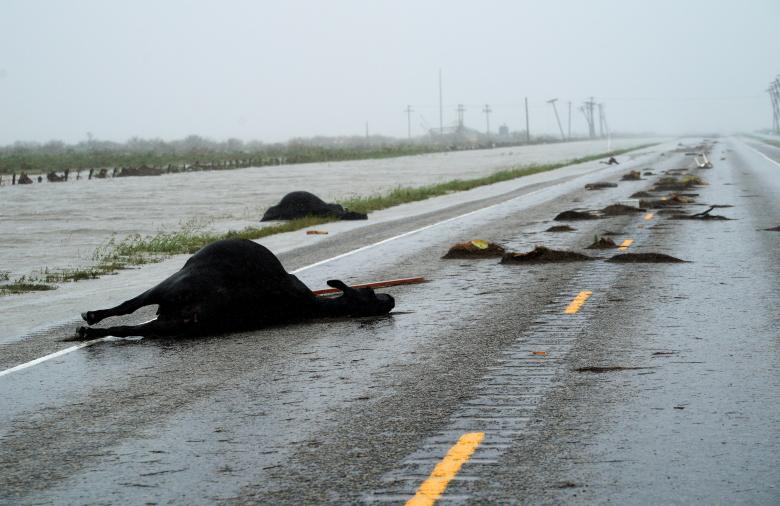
(634, 175)
(640, 195)
(675, 199)
(561, 228)
(475, 249)
(648, 173)
(574, 214)
(685, 182)
(600, 186)
(653, 258)
(621, 210)
(543, 255)
(602, 243)
(773, 229)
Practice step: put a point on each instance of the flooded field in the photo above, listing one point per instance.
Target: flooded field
(60, 225)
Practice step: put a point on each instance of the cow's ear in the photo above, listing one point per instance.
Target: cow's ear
(337, 283)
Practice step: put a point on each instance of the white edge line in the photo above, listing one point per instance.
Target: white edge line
(51, 356)
(760, 153)
(316, 264)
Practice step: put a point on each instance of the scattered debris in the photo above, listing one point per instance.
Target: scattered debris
(565, 484)
(316, 232)
(685, 182)
(675, 199)
(634, 175)
(539, 353)
(561, 228)
(599, 186)
(648, 173)
(611, 161)
(603, 369)
(541, 254)
(773, 229)
(609, 232)
(621, 210)
(641, 195)
(574, 214)
(475, 249)
(645, 258)
(704, 215)
(602, 243)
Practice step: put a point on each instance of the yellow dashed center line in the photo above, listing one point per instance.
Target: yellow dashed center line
(649, 216)
(578, 301)
(625, 244)
(432, 488)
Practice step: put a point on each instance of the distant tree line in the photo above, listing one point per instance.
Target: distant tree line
(203, 153)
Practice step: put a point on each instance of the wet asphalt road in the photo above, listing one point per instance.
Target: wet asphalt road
(360, 411)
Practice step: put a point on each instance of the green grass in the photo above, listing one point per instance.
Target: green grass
(136, 249)
(18, 287)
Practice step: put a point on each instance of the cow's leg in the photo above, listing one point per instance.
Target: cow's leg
(127, 307)
(155, 328)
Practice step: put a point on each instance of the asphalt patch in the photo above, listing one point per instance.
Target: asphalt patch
(653, 258)
(543, 255)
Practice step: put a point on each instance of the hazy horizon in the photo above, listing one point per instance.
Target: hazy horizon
(272, 72)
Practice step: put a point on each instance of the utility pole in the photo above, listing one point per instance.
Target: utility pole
(569, 136)
(527, 124)
(460, 110)
(774, 95)
(487, 110)
(557, 118)
(409, 112)
(587, 111)
(601, 120)
(441, 108)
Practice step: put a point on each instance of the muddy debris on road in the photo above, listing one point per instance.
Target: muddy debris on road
(652, 258)
(634, 175)
(600, 185)
(543, 255)
(577, 214)
(476, 248)
(682, 183)
(621, 210)
(640, 195)
(602, 243)
(773, 229)
(704, 215)
(561, 228)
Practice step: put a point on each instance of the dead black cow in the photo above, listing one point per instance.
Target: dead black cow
(233, 285)
(300, 204)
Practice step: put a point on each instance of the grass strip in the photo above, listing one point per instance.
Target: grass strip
(138, 250)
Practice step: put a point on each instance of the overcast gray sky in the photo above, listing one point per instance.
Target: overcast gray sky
(274, 70)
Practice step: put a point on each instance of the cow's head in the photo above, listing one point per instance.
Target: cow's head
(362, 301)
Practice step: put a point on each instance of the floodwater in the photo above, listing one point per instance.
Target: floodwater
(60, 225)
